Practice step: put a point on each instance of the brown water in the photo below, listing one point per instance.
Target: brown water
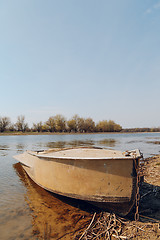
(28, 211)
(52, 216)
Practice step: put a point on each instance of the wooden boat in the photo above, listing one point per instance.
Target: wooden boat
(105, 178)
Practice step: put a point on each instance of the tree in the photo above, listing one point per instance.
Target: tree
(37, 127)
(80, 125)
(117, 128)
(89, 125)
(60, 123)
(51, 124)
(21, 125)
(12, 127)
(73, 123)
(108, 126)
(111, 126)
(102, 126)
(45, 128)
(4, 123)
(56, 123)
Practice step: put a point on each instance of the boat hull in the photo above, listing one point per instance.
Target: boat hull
(105, 183)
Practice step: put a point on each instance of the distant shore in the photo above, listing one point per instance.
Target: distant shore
(64, 133)
(50, 133)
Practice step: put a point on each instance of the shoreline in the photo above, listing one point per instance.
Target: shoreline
(64, 133)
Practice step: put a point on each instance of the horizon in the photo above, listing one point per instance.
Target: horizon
(97, 59)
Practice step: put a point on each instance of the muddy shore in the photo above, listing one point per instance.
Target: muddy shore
(150, 188)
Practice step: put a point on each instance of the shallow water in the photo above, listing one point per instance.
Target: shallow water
(29, 212)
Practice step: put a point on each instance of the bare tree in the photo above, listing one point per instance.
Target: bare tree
(21, 125)
(4, 123)
(12, 127)
(37, 127)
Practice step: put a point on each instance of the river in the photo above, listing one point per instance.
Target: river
(29, 212)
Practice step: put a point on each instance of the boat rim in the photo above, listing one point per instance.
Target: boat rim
(137, 154)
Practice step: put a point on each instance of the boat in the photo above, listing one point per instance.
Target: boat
(103, 177)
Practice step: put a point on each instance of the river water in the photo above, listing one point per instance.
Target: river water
(28, 211)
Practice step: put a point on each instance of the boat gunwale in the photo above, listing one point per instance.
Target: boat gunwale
(83, 158)
(136, 154)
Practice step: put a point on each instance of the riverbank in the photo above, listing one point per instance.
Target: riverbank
(64, 133)
(150, 189)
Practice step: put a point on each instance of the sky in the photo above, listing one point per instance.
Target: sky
(94, 58)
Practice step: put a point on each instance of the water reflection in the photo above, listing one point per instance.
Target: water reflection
(59, 144)
(78, 143)
(74, 143)
(4, 148)
(135, 141)
(20, 147)
(3, 154)
(107, 142)
(54, 217)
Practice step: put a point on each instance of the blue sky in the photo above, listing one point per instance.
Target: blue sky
(95, 58)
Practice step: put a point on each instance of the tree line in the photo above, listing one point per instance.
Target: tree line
(59, 123)
(132, 130)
